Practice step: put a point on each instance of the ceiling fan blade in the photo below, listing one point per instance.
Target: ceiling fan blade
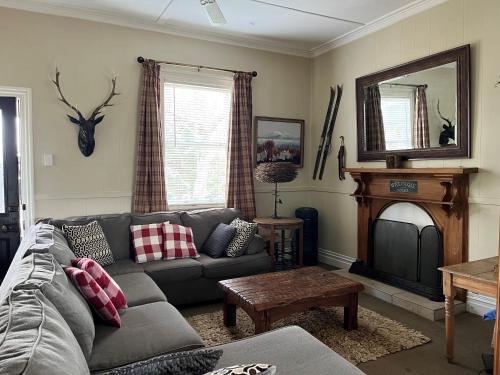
(213, 11)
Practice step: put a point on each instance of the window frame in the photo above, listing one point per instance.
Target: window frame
(209, 79)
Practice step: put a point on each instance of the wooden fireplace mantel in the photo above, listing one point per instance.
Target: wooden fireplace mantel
(441, 192)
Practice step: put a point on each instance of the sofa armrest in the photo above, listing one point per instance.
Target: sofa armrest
(257, 245)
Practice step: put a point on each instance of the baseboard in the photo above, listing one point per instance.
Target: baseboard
(479, 304)
(335, 259)
(476, 303)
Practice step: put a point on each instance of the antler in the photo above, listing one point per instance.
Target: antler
(62, 98)
(106, 102)
(442, 117)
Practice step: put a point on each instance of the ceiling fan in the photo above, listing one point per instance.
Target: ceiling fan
(213, 11)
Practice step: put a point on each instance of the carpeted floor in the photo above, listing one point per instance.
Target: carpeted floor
(473, 337)
(376, 336)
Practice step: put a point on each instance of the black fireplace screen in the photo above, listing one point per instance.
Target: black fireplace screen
(402, 255)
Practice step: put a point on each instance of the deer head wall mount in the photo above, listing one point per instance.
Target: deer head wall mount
(86, 131)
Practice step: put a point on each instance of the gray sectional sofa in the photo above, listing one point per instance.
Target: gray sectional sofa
(47, 328)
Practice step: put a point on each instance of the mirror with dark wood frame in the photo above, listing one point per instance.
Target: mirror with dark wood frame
(416, 110)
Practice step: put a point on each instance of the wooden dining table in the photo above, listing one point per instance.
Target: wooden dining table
(478, 276)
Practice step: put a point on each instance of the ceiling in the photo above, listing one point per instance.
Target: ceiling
(300, 27)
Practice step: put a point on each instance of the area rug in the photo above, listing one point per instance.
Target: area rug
(376, 336)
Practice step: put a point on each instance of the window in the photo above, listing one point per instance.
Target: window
(397, 111)
(196, 140)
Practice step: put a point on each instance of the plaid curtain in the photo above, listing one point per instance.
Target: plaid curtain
(150, 191)
(374, 121)
(240, 190)
(421, 121)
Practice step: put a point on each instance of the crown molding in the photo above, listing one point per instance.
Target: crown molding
(150, 25)
(46, 7)
(376, 25)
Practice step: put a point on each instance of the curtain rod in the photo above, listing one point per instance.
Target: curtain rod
(403, 84)
(141, 59)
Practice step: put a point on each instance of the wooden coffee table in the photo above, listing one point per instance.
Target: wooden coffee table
(270, 297)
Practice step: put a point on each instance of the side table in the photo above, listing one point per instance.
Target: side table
(282, 224)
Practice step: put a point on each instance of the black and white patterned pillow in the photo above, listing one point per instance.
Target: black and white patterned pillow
(244, 234)
(89, 241)
(250, 369)
(190, 362)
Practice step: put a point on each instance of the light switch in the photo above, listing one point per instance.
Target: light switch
(48, 160)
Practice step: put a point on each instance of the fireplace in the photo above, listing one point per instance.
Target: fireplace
(406, 256)
(400, 251)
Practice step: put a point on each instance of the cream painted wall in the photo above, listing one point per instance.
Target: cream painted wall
(449, 25)
(88, 54)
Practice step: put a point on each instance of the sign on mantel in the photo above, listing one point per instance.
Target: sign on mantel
(403, 186)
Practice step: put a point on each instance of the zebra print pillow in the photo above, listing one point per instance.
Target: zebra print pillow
(244, 234)
(251, 369)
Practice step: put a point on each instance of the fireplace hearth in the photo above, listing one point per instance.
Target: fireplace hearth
(405, 256)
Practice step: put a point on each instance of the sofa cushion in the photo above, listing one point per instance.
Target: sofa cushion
(50, 239)
(244, 235)
(178, 242)
(94, 295)
(123, 266)
(291, 349)
(173, 217)
(104, 280)
(167, 271)
(89, 241)
(115, 228)
(147, 240)
(147, 331)
(190, 362)
(226, 267)
(31, 332)
(216, 244)
(46, 274)
(139, 289)
(256, 245)
(203, 222)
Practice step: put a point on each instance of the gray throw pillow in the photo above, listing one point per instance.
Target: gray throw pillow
(194, 362)
(219, 240)
(244, 234)
(89, 241)
(250, 369)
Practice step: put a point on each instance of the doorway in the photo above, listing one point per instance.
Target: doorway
(16, 174)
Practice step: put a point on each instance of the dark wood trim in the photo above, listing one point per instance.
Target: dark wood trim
(461, 56)
(278, 119)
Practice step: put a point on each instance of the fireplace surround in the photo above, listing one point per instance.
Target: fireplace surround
(443, 194)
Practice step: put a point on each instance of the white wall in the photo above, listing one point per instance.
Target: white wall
(449, 25)
(88, 54)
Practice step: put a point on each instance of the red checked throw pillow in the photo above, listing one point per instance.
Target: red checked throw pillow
(178, 242)
(106, 282)
(94, 295)
(148, 242)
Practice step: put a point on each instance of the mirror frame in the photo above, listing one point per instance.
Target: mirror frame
(461, 56)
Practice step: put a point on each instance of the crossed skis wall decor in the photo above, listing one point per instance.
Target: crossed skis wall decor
(325, 143)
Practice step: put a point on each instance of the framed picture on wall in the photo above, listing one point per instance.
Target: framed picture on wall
(278, 139)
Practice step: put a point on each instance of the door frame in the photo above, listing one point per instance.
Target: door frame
(26, 189)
